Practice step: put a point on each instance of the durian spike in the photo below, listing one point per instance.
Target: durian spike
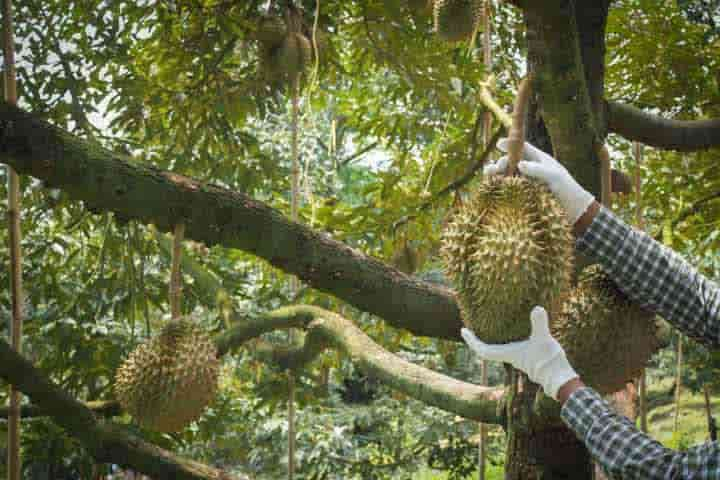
(516, 135)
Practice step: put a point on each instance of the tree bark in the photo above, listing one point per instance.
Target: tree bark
(685, 136)
(566, 42)
(213, 215)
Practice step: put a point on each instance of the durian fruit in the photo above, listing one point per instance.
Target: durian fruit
(456, 20)
(608, 339)
(507, 249)
(167, 382)
(284, 63)
(405, 259)
(270, 31)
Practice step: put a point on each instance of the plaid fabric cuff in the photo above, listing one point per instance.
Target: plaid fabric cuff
(582, 408)
(604, 233)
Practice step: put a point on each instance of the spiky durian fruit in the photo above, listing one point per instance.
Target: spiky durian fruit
(456, 20)
(507, 249)
(270, 31)
(167, 382)
(607, 338)
(284, 63)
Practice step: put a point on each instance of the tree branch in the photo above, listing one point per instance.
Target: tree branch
(107, 181)
(685, 136)
(326, 329)
(106, 442)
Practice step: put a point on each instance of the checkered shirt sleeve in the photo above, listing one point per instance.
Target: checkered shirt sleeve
(626, 453)
(654, 276)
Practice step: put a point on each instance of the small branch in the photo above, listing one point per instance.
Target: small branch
(457, 184)
(357, 154)
(487, 99)
(694, 208)
(109, 408)
(685, 136)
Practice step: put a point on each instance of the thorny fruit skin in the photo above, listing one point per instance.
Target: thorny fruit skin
(456, 20)
(608, 339)
(167, 382)
(507, 249)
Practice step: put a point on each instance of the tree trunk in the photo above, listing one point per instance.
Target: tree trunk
(566, 47)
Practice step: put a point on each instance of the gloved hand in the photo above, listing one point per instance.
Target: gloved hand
(538, 164)
(540, 356)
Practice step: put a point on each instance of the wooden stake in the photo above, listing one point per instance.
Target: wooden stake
(678, 381)
(487, 134)
(14, 460)
(640, 221)
(294, 283)
(176, 272)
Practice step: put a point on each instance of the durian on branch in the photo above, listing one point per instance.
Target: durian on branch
(325, 330)
(106, 442)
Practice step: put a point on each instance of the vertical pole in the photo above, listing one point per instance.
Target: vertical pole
(176, 272)
(678, 381)
(642, 381)
(15, 237)
(294, 285)
(487, 125)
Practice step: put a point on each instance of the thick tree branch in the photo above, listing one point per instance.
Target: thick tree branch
(685, 136)
(107, 408)
(108, 181)
(106, 442)
(326, 329)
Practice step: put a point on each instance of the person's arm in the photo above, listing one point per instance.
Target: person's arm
(624, 452)
(651, 274)
(613, 441)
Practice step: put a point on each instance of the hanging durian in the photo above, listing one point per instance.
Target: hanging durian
(508, 248)
(270, 31)
(608, 338)
(457, 20)
(294, 55)
(167, 382)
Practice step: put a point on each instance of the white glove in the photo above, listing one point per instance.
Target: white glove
(540, 356)
(538, 164)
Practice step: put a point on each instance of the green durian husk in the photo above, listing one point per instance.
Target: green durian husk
(270, 31)
(167, 382)
(607, 338)
(456, 20)
(507, 249)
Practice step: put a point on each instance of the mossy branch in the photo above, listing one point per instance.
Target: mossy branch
(107, 181)
(685, 136)
(325, 329)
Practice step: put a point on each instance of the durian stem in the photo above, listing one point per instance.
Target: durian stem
(516, 135)
(176, 272)
(487, 99)
(14, 461)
